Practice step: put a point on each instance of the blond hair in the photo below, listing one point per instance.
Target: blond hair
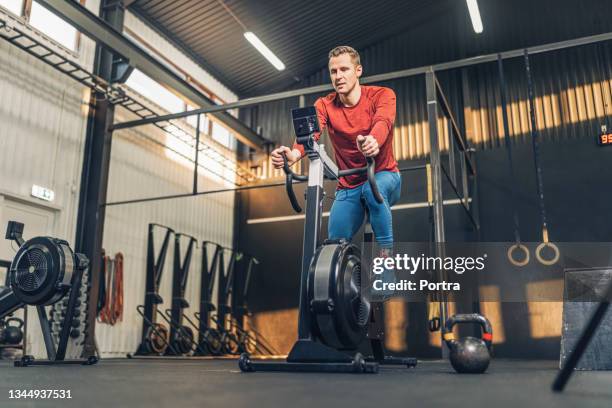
(345, 49)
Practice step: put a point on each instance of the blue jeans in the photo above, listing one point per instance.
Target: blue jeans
(349, 207)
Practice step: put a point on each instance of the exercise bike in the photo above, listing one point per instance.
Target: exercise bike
(334, 318)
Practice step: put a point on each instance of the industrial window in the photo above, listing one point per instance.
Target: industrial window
(53, 26)
(155, 92)
(193, 120)
(219, 133)
(223, 136)
(14, 6)
(45, 21)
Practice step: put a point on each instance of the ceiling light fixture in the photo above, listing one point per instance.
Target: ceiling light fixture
(475, 15)
(264, 50)
(255, 41)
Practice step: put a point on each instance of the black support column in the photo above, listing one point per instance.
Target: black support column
(94, 177)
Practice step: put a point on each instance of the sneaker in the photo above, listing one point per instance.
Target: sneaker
(388, 275)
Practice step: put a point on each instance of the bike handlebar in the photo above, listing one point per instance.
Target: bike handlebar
(290, 175)
(369, 169)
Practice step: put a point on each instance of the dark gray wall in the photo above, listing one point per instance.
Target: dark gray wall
(563, 82)
(578, 196)
(577, 187)
(576, 174)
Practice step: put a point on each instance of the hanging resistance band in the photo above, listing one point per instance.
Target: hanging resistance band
(111, 310)
(535, 142)
(518, 247)
(434, 306)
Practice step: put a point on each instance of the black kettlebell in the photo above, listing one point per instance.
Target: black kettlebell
(13, 334)
(469, 355)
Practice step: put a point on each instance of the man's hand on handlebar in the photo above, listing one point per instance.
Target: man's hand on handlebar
(277, 156)
(367, 145)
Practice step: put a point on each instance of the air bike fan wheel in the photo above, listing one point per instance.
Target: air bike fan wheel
(41, 272)
(44, 271)
(339, 312)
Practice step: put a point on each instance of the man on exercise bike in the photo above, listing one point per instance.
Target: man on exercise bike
(359, 120)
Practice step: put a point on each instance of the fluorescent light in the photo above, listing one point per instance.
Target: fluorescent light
(265, 51)
(475, 15)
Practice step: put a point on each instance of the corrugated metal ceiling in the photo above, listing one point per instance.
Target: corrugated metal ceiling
(414, 32)
(299, 32)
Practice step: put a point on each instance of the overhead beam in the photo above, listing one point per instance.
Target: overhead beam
(243, 103)
(89, 24)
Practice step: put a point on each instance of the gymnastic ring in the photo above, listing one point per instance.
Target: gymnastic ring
(539, 255)
(511, 251)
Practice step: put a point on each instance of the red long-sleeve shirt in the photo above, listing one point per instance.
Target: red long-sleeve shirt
(374, 115)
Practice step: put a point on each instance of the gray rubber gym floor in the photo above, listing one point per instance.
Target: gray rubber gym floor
(164, 383)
